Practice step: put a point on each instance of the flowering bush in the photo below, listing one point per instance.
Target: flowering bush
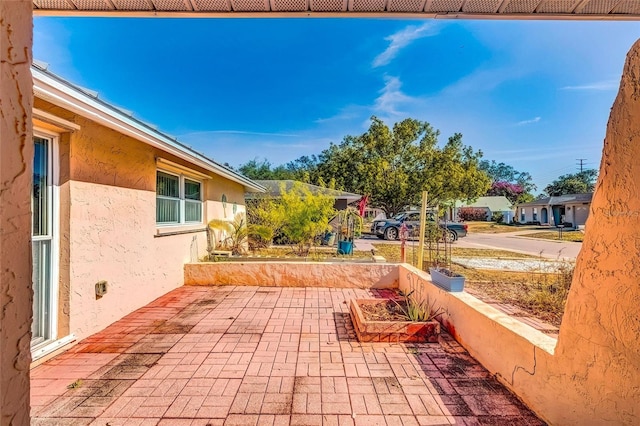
(472, 213)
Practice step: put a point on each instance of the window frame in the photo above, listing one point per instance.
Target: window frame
(182, 200)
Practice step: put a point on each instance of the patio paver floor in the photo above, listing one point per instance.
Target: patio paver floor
(263, 356)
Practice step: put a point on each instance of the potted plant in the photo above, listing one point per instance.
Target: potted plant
(349, 227)
(446, 278)
(439, 259)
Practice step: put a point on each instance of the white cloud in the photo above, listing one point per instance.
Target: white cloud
(402, 39)
(595, 86)
(391, 97)
(533, 120)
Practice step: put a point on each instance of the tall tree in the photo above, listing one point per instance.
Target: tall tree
(517, 186)
(576, 183)
(264, 170)
(395, 165)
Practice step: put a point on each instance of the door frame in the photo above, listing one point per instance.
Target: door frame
(54, 219)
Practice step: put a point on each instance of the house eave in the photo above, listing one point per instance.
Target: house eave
(61, 93)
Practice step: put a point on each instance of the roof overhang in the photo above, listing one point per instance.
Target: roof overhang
(447, 9)
(59, 92)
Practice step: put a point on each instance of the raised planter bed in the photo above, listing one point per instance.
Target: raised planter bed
(390, 331)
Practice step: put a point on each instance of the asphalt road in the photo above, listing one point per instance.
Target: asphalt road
(520, 243)
(517, 242)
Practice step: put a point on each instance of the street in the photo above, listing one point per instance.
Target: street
(516, 242)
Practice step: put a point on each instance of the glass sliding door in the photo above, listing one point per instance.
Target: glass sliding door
(42, 239)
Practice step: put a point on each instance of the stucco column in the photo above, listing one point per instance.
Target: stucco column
(599, 344)
(16, 152)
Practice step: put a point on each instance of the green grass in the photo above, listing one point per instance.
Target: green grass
(575, 236)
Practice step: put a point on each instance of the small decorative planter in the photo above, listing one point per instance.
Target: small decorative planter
(391, 331)
(446, 279)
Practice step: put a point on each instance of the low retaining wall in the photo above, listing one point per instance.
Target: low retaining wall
(293, 274)
(520, 356)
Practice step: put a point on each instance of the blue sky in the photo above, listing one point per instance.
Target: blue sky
(533, 94)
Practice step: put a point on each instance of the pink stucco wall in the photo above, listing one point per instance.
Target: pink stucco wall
(15, 218)
(108, 225)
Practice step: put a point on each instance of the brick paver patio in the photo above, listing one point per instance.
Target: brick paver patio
(263, 356)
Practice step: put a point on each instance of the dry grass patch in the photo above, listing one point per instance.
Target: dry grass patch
(496, 228)
(575, 236)
(541, 294)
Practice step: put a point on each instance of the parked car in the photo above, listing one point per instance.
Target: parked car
(389, 229)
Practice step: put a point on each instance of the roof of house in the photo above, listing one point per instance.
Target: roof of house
(496, 203)
(84, 102)
(560, 199)
(274, 188)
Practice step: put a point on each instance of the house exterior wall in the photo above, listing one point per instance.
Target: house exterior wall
(578, 213)
(529, 214)
(108, 225)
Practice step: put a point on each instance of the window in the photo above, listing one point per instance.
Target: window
(535, 214)
(178, 199)
(522, 217)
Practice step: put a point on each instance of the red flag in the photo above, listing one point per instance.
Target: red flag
(362, 205)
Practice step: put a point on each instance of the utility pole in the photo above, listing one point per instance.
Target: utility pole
(581, 163)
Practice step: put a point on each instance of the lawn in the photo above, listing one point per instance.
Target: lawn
(575, 236)
(497, 228)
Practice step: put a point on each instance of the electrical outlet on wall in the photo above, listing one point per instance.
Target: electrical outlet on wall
(101, 289)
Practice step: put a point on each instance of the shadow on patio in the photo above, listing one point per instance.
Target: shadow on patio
(263, 355)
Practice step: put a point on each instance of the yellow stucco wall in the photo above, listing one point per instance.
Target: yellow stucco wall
(108, 225)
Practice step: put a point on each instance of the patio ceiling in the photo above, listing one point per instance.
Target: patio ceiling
(464, 9)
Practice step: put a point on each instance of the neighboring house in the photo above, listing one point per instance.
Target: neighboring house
(274, 189)
(491, 205)
(117, 205)
(570, 209)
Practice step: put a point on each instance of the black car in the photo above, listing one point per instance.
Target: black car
(389, 229)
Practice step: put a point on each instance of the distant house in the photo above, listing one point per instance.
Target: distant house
(274, 189)
(491, 205)
(570, 209)
(118, 208)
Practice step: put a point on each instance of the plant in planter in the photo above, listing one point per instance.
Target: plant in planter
(236, 235)
(409, 318)
(439, 261)
(446, 279)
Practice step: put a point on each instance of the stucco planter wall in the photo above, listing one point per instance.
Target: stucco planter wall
(293, 274)
(390, 331)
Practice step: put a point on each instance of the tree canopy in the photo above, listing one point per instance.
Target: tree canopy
(391, 165)
(394, 165)
(577, 183)
(517, 186)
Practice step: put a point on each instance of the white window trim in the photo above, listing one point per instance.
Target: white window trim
(54, 229)
(181, 200)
